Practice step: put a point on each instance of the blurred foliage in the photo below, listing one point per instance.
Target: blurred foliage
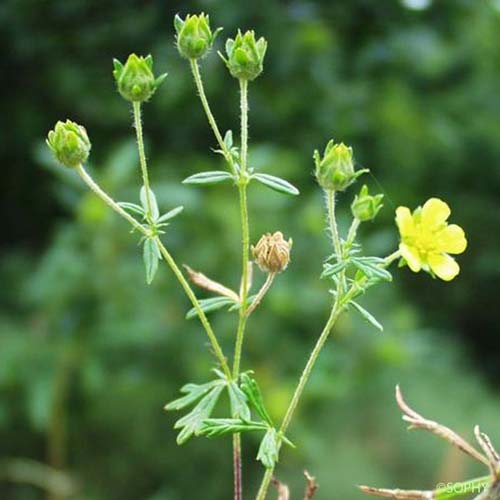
(89, 354)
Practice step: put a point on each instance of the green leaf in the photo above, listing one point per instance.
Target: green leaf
(238, 400)
(268, 452)
(371, 267)
(209, 305)
(367, 316)
(254, 395)
(193, 421)
(332, 269)
(276, 183)
(193, 393)
(228, 139)
(155, 213)
(170, 214)
(132, 208)
(214, 427)
(213, 177)
(151, 255)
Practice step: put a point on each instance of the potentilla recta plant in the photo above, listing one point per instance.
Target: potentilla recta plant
(427, 242)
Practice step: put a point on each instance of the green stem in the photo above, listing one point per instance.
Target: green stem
(244, 282)
(211, 119)
(245, 243)
(304, 378)
(334, 233)
(142, 157)
(168, 259)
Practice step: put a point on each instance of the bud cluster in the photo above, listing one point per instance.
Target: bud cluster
(194, 36)
(245, 55)
(135, 79)
(69, 143)
(335, 169)
(272, 252)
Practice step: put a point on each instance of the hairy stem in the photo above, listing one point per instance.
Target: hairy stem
(142, 158)
(168, 259)
(334, 233)
(304, 378)
(245, 243)
(211, 119)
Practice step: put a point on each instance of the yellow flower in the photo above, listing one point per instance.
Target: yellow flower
(427, 239)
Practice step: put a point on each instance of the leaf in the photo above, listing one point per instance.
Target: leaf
(155, 213)
(368, 316)
(238, 400)
(212, 177)
(170, 214)
(209, 305)
(268, 452)
(228, 139)
(213, 427)
(151, 255)
(193, 392)
(371, 267)
(132, 207)
(276, 183)
(254, 395)
(192, 422)
(332, 269)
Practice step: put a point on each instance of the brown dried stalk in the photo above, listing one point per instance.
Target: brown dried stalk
(199, 279)
(398, 494)
(311, 486)
(417, 421)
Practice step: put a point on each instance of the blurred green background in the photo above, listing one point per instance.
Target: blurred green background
(89, 354)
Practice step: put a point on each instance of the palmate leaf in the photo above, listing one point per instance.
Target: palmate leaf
(238, 401)
(254, 396)
(193, 392)
(191, 423)
(276, 183)
(209, 305)
(214, 427)
(268, 453)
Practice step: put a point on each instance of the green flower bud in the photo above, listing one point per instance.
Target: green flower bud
(245, 56)
(335, 170)
(366, 207)
(194, 36)
(135, 80)
(69, 143)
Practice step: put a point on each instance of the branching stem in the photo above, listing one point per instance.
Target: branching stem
(168, 259)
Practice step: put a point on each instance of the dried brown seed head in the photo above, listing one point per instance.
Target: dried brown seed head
(272, 252)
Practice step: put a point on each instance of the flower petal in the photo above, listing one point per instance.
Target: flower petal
(434, 213)
(411, 256)
(444, 266)
(404, 221)
(452, 239)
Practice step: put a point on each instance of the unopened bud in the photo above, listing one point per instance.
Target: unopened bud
(335, 170)
(366, 207)
(272, 252)
(69, 143)
(245, 56)
(135, 79)
(194, 36)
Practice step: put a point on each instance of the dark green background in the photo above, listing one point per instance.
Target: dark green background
(89, 354)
